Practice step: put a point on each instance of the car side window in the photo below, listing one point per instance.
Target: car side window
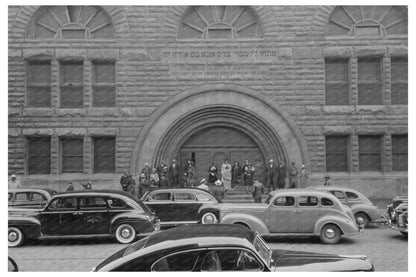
(338, 194)
(203, 197)
(182, 261)
(10, 196)
(184, 196)
(230, 260)
(284, 201)
(89, 203)
(116, 203)
(351, 195)
(160, 196)
(326, 202)
(307, 201)
(22, 196)
(63, 203)
(38, 197)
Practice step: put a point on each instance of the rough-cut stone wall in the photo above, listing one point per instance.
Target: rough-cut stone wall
(153, 66)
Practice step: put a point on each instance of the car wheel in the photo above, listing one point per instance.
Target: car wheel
(15, 236)
(362, 218)
(209, 218)
(330, 234)
(125, 233)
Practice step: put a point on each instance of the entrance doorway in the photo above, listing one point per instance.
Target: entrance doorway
(213, 145)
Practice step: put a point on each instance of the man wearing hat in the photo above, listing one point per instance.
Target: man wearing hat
(173, 174)
(293, 176)
(203, 185)
(144, 185)
(328, 181)
(271, 175)
(14, 183)
(218, 191)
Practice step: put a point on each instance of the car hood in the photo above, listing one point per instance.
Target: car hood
(288, 260)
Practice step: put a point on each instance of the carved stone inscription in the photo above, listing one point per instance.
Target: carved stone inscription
(222, 63)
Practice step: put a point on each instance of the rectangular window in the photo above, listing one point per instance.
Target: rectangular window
(104, 154)
(104, 84)
(39, 155)
(370, 149)
(72, 155)
(369, 81)
(399, 152)
(38, 84)
(337, 82)
(399, 75)
(336, 148)
(72, 84)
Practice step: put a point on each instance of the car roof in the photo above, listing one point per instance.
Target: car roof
(50, 191)
(99, 192)
(179, 189)
(300, 192)
(202, 230)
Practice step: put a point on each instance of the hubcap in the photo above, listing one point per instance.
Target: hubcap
(209, 219)
(12, 236)
(125, 233)
(330, 233)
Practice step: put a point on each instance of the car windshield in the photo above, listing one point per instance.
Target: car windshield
(264, 251)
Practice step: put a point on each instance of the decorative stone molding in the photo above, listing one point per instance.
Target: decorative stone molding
(231, 106)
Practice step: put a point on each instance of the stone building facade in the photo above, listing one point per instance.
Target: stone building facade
(96, 90)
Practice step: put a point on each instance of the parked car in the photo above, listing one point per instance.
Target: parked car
(29, 198)
(177, 206)
(294, 212)
(363, 209)
(221, 247)
(397, 214)
(84, 214)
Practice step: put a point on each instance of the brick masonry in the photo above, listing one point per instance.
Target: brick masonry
(153, 67)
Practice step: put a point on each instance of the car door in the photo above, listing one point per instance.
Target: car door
(282, 215)
(161, 202)
(186, 207)
(93, 215)
(308, 212)
(60, 217)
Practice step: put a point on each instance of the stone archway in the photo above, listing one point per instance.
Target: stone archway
(225, 105)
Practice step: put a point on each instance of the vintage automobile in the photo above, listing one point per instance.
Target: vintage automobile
(397, 214)
(363, 209)
(84, 214)
(177, 206)
(221, 247)
(294, 212)
(29, 198)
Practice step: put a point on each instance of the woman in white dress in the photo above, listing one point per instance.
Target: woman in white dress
(226, 174)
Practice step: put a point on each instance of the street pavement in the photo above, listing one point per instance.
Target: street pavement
(386, 248)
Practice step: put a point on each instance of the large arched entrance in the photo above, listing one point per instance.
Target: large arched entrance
(219, 115)
(214, 144)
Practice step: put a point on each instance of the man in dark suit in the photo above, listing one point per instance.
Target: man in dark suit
(271, 176)
(173, 174)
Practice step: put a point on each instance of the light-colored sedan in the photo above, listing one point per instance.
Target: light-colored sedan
(363, 209)
(294, 212)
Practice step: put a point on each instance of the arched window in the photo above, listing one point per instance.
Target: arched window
(70, 22)
(219, 22)
(367, 21)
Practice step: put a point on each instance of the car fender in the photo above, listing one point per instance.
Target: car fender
(253, 222)
(372, 211)
(346, 225)
(30, 226)
(139, 221)
(208, 208)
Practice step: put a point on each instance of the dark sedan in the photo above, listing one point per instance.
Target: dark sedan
(178, 206)
(221, 247)
(84, 214)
